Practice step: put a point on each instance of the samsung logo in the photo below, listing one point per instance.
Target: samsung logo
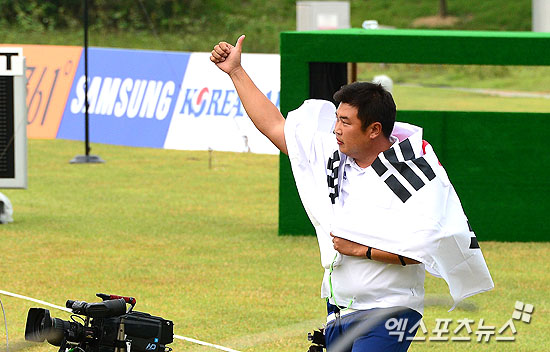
(152, 99)
(129, 97)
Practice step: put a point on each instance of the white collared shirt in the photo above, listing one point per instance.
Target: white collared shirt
(399, 205)
(352, 171)
(368, 283)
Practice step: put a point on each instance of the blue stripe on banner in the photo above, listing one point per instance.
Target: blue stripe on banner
(132, 94)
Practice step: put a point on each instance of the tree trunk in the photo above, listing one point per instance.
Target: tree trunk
(443, 8)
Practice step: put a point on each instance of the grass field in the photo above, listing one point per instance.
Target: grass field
(430, 98)
(199, 246)
(510, 78)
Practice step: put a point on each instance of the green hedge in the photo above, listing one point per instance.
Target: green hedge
(220, 15)
(119, 14)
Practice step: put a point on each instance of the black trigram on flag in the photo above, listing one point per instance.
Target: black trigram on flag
(473, 240)
(405, 170)
(333, 166)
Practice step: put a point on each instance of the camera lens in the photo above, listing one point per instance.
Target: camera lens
(41, 326)
(39, 323)
(56, 332)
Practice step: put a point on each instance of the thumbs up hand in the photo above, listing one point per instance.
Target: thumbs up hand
(228, 57)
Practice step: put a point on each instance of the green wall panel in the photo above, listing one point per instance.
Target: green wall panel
(499, 165)
(498, 162)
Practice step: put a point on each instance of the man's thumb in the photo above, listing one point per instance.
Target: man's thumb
(239, 45)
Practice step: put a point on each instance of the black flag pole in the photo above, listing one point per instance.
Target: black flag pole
(87, 158)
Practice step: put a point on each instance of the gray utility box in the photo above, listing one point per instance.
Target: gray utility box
(322, 15)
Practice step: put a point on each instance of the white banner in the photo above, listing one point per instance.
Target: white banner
(208, 112)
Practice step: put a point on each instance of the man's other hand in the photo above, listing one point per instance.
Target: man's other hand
(347, 247)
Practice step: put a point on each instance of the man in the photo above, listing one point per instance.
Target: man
(382, 207)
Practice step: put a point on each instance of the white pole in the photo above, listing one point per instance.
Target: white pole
(541, 15)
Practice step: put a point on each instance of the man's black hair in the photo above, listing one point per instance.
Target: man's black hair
(373, 103)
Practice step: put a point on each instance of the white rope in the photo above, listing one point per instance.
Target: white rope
(204, 343)
(70, 311)
(35, 300)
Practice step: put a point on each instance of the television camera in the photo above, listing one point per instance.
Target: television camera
(106, 327)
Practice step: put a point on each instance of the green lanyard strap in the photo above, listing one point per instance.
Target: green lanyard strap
(330, 285)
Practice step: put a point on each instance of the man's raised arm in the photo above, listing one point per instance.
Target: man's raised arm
(265, 116)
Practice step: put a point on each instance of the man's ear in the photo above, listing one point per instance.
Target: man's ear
(374, 130)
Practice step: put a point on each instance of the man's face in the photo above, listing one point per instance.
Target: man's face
(352, 140)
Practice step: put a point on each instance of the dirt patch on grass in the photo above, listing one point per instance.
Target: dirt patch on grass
(435, 21)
